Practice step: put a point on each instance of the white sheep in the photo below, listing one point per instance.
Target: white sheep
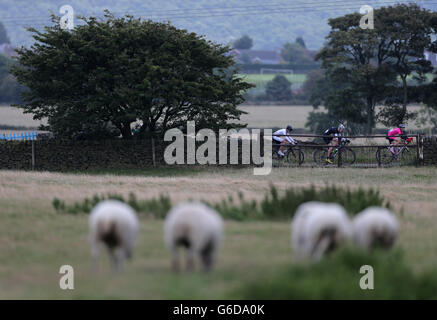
(375, 227)
(115, 225)
(196, 227)
(318, 228)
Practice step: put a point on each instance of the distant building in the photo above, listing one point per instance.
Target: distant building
(256, 56)
(7, 50)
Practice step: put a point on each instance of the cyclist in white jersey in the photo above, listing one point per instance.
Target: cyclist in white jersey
(282, 136)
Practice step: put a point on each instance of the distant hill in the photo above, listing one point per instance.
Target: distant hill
(270, 24)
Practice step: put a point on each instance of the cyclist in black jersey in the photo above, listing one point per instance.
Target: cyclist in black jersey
(331, 137)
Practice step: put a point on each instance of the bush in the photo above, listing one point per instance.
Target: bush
(157, 208)
(279, 89)
(337, 277)
(274, 206)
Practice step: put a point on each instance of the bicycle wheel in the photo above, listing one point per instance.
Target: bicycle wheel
(408, 157)
(320, 156)
(295, 156)
(348, 156)
(384, 155)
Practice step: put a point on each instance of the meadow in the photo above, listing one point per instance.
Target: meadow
(36, 240)
(258, 116)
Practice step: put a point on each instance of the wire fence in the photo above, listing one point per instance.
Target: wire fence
(352, 151)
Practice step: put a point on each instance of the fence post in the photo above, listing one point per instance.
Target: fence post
(153, 152)
(33, 155)
(419, 149)
(340, 160)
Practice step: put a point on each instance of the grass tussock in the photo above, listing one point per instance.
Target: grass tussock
(274, 206)
(338, 277)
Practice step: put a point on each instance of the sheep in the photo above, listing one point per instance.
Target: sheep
(114, 224)
(375, 227)
(318, 228)
(196, 227)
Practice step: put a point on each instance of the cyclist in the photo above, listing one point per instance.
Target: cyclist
(282, 136)
(331, 136)
(395, 135)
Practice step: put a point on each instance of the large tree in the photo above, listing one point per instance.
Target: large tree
(109, 73)
(295, 53)
(408, 30)
(245, 42)
(370, 62)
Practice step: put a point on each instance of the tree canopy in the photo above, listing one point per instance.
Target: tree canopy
(366, 67)
(245, 42)
(107, 74)
(279, 89)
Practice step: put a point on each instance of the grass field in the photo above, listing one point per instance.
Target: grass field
(11, 116)
(260, 81)
(36, 241)
(257, 117)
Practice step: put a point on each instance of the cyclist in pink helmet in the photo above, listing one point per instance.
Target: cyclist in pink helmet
(395, 135)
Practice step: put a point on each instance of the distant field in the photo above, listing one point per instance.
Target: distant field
(257, 117)
(279, 116)
(10, 116)
(260, 80)
(275, 116)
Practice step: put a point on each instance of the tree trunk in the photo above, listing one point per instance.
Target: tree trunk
(370, 116)
(126, 131)
(405, 99)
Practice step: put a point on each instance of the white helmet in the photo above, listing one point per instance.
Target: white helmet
(341, 126)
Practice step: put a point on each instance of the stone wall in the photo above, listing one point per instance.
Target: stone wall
(55, 155)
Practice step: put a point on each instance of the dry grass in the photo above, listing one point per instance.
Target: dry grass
(257, 117)
(36, 241)
(280, 116)
(11, 116)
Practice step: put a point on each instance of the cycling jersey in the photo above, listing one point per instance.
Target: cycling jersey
(281, 134)
(331, 131)
(391, 135)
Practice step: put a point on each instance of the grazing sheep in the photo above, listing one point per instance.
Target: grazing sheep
(114, 224)
(196, 227)
(375, 227)
(318, 228)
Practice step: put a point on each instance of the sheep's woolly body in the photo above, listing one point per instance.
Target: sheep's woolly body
(318, 228)
(196, 227)
(375, 227)
(114, 224)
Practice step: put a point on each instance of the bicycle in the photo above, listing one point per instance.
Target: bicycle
(348, 155)
(385, 156)
(292, 154)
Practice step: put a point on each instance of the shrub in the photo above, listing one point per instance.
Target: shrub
(337, 277)
(155, 207)
(275, 205)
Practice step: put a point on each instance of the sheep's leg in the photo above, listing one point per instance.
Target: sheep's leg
(208, 261)
(115, 260)
(207, 256)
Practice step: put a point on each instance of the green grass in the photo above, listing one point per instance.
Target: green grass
(338, 277)
(36, 240)
(260, 81)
